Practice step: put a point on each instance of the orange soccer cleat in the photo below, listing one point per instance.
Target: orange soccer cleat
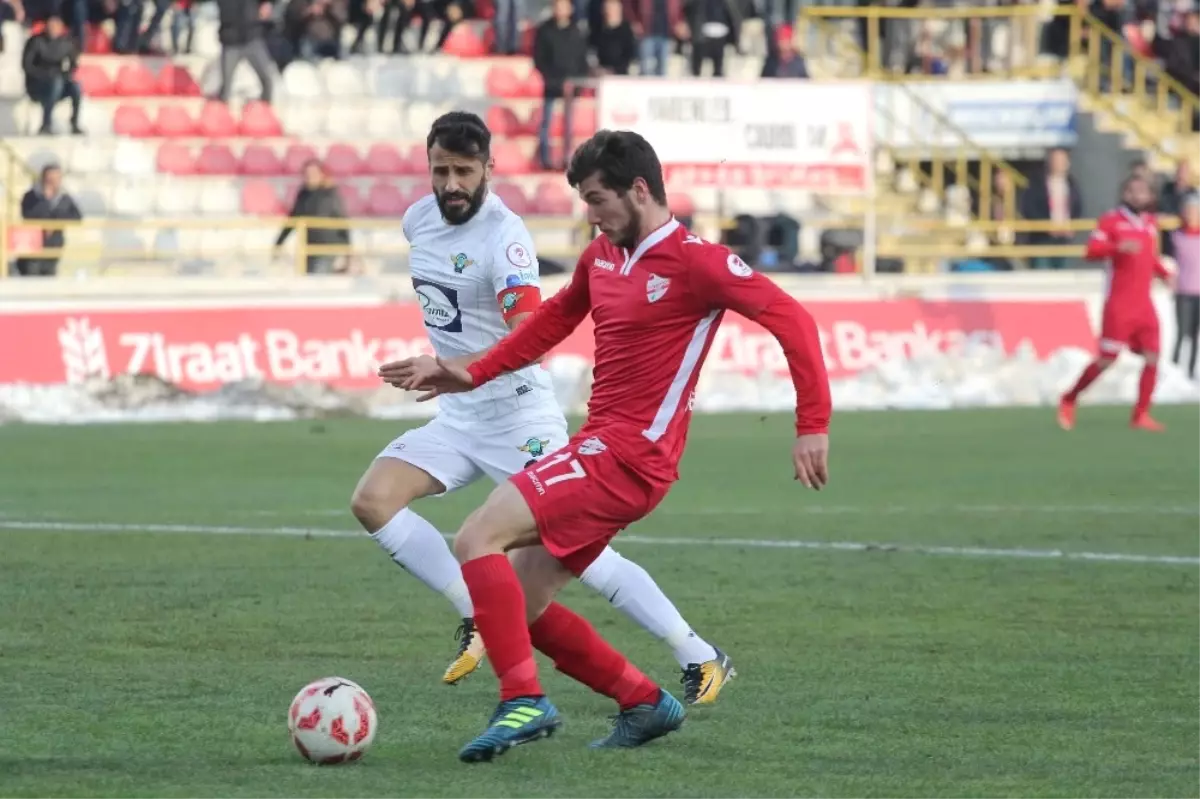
(1066, 414)
(1143, 421)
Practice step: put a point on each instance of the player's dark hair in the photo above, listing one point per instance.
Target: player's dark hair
(461, 133)
(619, 157)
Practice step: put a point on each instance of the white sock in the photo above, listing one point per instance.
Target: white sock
(633, 591)
(418, 547)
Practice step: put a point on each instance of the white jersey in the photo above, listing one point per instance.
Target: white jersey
(459, 273)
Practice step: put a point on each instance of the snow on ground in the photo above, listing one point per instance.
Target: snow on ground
(978, 378)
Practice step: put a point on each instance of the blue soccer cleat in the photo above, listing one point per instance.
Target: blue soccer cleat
(515, 722)
(644, 723)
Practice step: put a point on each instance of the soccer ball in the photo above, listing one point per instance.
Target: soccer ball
(332, 721)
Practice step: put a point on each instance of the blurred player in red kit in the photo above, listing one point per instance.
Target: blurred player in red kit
(656, 294)
(1127, 237)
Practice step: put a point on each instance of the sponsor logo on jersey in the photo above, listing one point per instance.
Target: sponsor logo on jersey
(524, 389)
(737, 266)
(607, 266)
(518, 255)
(460, 262)
(439, 306)
(592, 446)
(536, 447)
(656, 287)
(523, 277)
(693, 239)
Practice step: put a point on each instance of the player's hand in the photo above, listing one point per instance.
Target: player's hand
(433, 376)
(810, 456)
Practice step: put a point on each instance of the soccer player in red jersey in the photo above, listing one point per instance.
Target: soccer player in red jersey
(1128, 238)
(656, 294)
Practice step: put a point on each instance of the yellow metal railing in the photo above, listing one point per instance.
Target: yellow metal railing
(246, 245)
(962, 150)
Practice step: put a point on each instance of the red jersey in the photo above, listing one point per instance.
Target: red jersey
(1129, 275)
(656, 311)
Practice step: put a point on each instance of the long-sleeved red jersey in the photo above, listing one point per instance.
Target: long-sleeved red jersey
(656, 311)
(1130, 274)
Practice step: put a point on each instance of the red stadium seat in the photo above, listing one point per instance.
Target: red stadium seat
(503, 121)
(96, 41)
(131, 120)
(94, 81)
(175, 159)
(343, 161)
(464, 41)
(552, 198)
(259, 159)
(384, 199)
(513, 196)
(384, 159)
(532, 85)
(417, 160)
(681, 204)
(296, 157)
(511, 159)
(216, 122)
(176, 81)
(260, 199)
(259, 121)
(502, 82)
(134, 80)
(353, 202)
(174, 122)
(216, 159)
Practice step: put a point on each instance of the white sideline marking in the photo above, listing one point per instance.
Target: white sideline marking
(750, 543)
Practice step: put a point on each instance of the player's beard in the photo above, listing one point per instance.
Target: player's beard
(627, 236)
(459, 215)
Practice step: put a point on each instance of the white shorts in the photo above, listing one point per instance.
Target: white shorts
(458, 456)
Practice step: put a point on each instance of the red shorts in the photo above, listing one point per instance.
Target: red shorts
(1138, 332)
(582, 496)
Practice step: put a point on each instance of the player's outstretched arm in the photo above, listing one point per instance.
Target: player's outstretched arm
(723, 280)
(1100, 244)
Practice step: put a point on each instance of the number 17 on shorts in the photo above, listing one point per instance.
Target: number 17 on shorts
(581, 496)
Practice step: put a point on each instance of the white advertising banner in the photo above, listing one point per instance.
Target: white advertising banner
(771, 134)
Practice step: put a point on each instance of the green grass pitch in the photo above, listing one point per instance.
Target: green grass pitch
(144, 660)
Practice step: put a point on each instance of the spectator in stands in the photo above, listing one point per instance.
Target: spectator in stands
(711, 26)
(506, 26)
(361, 15)
(314, 28)
(318, 198)
(1053, 197)
(654, 22)
(242, 30)
(49, 61)
(1175, 194)
(782, 60)
(1180, 52)
(560, 55)
(181, 24)
(402, 11)
(613, 43)
(10, 11)
(447, 12)
(46, 201)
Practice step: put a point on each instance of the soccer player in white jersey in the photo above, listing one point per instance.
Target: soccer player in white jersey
(476, 277)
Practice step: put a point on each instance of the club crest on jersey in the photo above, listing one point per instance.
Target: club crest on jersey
(509, 301)
(535, 446)
(460, 262)
(737, 266)
(656, 287)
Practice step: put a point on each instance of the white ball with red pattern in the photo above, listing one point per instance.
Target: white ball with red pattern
(332, 721)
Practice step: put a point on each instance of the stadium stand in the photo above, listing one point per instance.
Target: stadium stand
(166, 168)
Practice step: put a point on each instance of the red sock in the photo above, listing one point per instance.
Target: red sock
(579, 652)
(500, 618)
(1146, 389)
(1088, 377)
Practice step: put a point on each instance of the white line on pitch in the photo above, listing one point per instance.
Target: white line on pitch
(748, 543)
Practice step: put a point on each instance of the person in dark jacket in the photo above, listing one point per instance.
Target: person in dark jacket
(314, 28)
(1180, 52)
(560, 55)
(242, 32)
(47, 201)
(1054, 197)
(49, 61)
(319, 198)
(712, 25)
(612, 40)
